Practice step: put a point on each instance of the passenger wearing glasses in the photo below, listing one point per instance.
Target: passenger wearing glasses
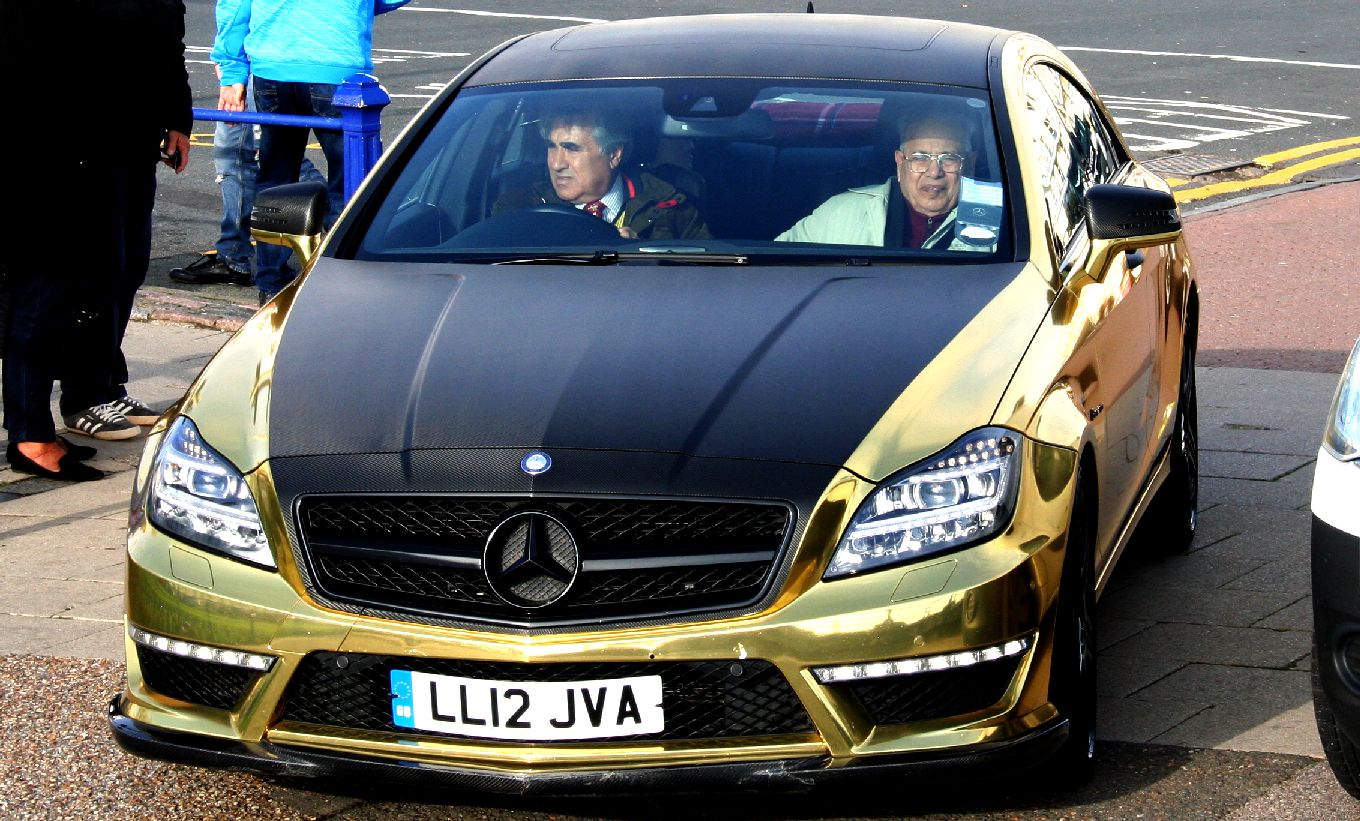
(931, 158)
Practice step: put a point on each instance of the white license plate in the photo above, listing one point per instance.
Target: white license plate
(527, 710)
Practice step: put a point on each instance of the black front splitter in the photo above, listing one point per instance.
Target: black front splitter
(785, 775)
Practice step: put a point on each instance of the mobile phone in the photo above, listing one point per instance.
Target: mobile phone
(171, 159)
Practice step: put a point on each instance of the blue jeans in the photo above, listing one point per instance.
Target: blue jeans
(235, 161)
(236, 167)
(281, 155)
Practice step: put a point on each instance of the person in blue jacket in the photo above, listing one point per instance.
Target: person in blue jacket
(298, 52)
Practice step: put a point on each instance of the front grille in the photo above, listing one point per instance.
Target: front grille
(639, 559)
(703, 699)
(939, 694)
(192, 680)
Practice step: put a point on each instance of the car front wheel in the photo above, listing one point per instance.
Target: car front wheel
(1174, 514)
(1074, 657)
(1342, 755)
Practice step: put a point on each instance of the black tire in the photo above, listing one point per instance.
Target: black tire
(1342, 755)
(1174, 514)
(1073, 676)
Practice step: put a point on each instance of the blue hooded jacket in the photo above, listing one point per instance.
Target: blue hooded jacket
(296, 41)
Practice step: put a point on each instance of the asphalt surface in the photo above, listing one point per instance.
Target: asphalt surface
(1200, 72)
(1195, 85)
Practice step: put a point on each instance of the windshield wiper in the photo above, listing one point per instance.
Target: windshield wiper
(595, 258)
(698, 257)
(651, 255)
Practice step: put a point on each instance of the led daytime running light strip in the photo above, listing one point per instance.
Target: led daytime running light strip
(201, 652)
(965, 469)
(922, 664)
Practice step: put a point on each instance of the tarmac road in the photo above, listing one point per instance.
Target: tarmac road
(1193, 85)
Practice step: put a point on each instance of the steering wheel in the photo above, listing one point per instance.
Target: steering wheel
(572, 211)
(542, 225)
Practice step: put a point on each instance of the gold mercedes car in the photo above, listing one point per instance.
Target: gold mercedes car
(718, 400)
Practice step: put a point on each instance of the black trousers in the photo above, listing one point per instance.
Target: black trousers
(73, 266)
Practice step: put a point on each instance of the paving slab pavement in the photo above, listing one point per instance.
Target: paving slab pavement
(1206, 650)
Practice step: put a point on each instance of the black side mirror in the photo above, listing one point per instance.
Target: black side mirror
(1126, 212)
(297, 209)
(293, 216)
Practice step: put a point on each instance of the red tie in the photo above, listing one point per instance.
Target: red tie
(595, 208)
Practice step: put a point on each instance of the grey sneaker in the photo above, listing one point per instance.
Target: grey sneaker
(135, 410)
(101, 422)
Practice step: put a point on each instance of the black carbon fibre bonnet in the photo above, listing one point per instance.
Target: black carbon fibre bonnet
(781, 364)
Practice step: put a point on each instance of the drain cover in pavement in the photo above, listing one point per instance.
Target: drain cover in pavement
(1190, 165)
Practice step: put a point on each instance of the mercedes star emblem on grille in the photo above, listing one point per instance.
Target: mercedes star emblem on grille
(531, 560)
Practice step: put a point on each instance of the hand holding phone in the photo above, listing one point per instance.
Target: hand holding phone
(175, 151)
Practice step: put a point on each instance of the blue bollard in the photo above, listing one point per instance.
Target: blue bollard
(361, 99)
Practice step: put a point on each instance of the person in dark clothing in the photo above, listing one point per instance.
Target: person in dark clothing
(66, 319)
(585, 154)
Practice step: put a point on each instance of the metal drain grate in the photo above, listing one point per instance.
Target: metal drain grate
(1191, 165)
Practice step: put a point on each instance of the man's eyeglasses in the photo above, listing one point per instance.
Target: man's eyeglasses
(950, 163)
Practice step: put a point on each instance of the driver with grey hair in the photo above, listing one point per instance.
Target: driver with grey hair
(916, 209)
(585, 155)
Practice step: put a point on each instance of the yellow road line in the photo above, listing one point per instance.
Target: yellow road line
(206, 139)
(1279, 176)
(1305, 150)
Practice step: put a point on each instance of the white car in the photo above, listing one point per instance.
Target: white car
(1336, 570)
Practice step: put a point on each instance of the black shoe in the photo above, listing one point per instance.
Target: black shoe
(80, 453)
(102, 422)
(68, 469)
(209, 269)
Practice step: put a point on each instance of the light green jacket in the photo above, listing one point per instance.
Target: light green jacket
(857, 217)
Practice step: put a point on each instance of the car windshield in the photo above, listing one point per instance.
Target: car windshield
(696, 169)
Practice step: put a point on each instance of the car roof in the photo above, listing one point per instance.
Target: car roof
(752, 45)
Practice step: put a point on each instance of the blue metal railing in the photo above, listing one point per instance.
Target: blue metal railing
(360, 98)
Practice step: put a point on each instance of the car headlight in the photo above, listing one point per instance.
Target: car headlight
(197, 495)
(1342, 439)
(962, 494)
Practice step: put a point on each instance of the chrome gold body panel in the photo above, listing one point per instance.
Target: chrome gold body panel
(998, 591)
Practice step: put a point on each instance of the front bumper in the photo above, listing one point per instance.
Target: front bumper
(785, 775)
(984, 596)
(1336, 597)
